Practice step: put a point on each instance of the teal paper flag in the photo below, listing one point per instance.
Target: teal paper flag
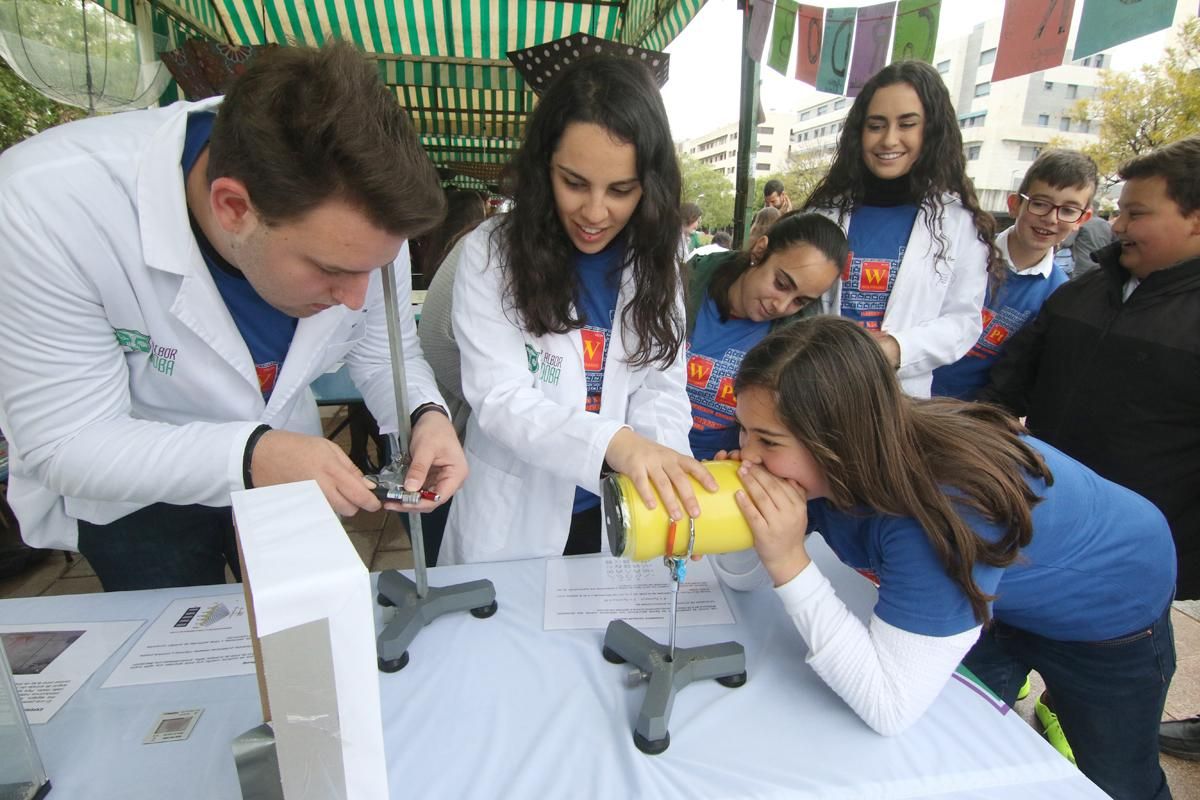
(835, 49)
(916, 30)
(1105, 24)
(783, 35)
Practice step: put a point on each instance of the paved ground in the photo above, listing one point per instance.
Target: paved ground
(383, 543)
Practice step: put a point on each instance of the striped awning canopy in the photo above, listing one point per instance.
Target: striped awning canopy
(445, 58)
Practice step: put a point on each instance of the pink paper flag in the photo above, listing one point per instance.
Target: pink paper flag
(1033, 36)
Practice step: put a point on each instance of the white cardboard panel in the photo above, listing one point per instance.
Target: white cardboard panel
(302, 568)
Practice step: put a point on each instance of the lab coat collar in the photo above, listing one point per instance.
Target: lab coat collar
(166, 234)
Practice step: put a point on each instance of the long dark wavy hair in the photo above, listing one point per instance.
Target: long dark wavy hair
(897, 455)
(941, 166)
(619, 95)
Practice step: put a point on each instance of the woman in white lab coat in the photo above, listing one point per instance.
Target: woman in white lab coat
(568, 314)
(921, 247)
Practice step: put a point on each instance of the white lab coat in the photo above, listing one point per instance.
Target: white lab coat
(935, 309)
(123, 379)
(529, 440)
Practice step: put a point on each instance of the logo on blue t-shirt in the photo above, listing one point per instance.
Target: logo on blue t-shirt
(595, 351)
(878, 237)
(267, 375)
(715, 354)
(710, 388)
(866, 286)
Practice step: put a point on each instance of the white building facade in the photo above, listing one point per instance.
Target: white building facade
(718, 147)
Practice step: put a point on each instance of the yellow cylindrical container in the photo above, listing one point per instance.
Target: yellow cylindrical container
(639, 533)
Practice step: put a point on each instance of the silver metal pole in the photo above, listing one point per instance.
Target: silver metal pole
(674, 612)
(403, 424)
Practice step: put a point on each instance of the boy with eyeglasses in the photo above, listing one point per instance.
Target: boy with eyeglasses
(1109, 371)
(1054, 200)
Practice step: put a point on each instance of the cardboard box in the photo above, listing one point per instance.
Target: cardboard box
(312, 619)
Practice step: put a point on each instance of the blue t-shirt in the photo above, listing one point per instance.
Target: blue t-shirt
(715, 354)
(877, 236)
(1004, 313)
(266, 330)
(1101, 562)
(599, 280)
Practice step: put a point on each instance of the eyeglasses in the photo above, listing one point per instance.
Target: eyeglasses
(1043, 207)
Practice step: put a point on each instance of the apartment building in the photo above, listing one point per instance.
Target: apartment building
(718, 147)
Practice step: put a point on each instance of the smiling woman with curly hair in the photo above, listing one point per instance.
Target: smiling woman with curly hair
(922, 246)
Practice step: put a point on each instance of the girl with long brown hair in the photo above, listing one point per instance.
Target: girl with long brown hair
(922, 246)
(969, 526)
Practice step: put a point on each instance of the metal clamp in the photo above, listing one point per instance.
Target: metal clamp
(389, 484)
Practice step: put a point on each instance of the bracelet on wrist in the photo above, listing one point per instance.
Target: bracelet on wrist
(424, 409)
(248, 453)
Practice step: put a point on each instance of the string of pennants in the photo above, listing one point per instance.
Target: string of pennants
(837, 50)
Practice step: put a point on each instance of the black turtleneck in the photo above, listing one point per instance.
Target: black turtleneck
(886, 192)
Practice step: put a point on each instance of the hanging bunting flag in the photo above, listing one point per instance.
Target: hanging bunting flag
(835, 49)
(760, 21)
(916, 30)
(783, 35)
(872, 36)
(1033, 36)
(809, 24)
(1107, 24)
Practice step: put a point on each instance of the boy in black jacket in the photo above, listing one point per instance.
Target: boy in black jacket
(1109, 371)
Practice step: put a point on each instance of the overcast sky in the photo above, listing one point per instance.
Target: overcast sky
(703, 90)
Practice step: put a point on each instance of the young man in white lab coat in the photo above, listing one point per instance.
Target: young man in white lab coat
(173, 281)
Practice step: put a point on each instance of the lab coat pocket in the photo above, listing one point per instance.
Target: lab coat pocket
(483, 512)
(337, 351)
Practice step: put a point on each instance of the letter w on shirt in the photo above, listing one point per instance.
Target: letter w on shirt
(699, 369)
(593, 349)
(874, 276)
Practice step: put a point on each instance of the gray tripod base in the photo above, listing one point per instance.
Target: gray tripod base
(414, 612)
(724, 662)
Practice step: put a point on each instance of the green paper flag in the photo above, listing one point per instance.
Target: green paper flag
(835, 49)
(916, 30)
(783, 35)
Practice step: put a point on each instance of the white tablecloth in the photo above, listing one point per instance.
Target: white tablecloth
(499, 708)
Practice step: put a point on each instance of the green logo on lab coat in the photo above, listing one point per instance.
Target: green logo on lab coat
(132, 341)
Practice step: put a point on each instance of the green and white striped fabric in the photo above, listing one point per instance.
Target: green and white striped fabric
(446, 58)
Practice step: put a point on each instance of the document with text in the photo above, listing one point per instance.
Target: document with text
(591, 592)
(205, 637)
(51, 660)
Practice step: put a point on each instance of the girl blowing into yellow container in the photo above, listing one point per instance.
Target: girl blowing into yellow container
(990, 548)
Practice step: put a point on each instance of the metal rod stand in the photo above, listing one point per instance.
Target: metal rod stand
(667, 668)
(724, 662)
(416, 603)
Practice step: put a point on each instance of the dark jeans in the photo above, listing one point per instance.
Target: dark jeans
(585, 533)
(1109, 697)
(433, 530)
(160, 546)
